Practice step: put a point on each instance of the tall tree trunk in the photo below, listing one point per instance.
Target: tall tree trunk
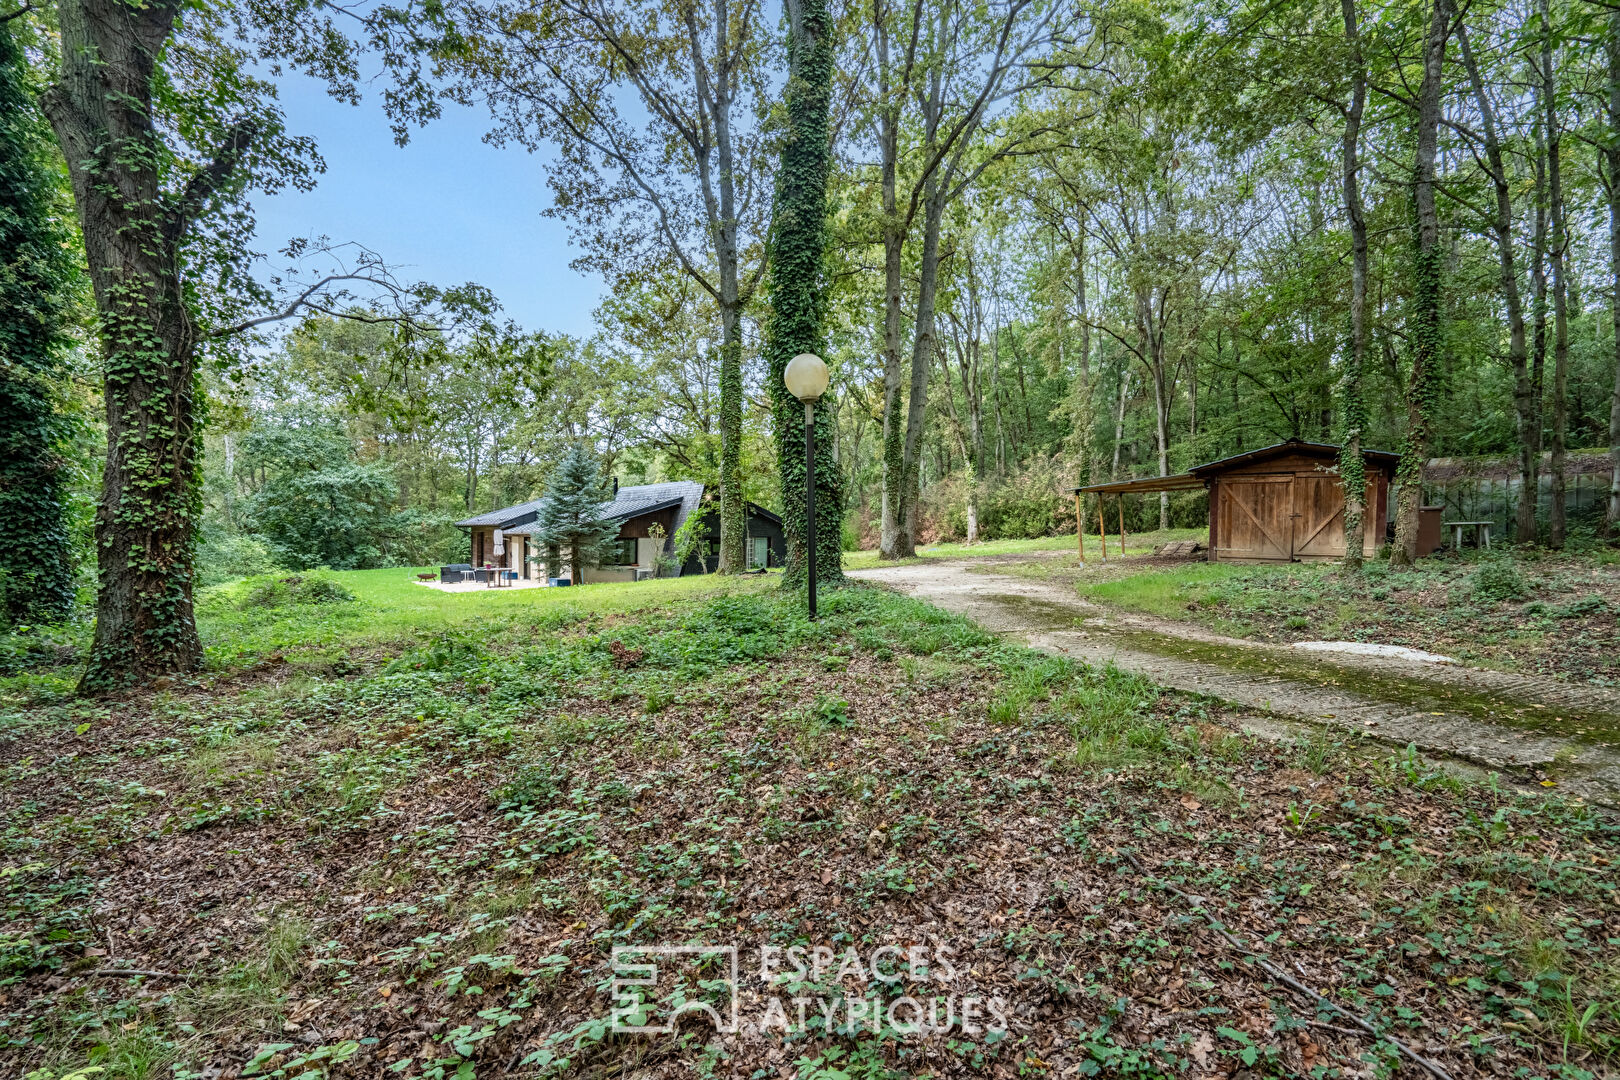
(1119, 416)
(895, 541)
(1611, 154)
(1538, 326)
(1080, 411)
(1161, 431)
(720, 207)
(798, 289)
(922, 349)
(733, 513)
(1423, 386)
(1518, 353)
(101, 108)
(1352, 465)
(1556, 519)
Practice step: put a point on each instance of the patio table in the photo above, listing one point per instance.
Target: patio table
(1482, 531)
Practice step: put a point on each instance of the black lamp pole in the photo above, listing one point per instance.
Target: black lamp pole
(810, 497)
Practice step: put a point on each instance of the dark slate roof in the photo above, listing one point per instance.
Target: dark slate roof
(507, 516)
(645, 498)
(628, 503)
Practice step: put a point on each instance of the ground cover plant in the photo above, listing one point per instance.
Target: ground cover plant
(1521, 609)
(414, 857)
(1135, 544)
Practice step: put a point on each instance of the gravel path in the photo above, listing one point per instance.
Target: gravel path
(1492, 719)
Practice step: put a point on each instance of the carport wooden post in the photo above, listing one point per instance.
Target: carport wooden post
(1080, 525)
(1102, 527)
(1120, 499)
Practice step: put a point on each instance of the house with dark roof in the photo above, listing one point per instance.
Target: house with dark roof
(649, 515)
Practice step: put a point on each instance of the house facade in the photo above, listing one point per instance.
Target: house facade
(649, 515)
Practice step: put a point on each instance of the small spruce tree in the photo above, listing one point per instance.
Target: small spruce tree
(570, 516)
(36, 284)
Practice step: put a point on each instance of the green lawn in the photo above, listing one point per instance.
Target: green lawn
(405, 840)
(1524, 610)
(392, 608)
(1136, 544)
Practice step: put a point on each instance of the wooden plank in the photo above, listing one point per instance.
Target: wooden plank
(1256, 517)
(1102, 528)
(1080, 527)
(1318, 516)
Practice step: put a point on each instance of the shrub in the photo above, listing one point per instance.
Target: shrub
(535, 784)
(226, 558)
(27, 647)
(1586, 605)
(451, 650)
(1498, 581)
(273, 592)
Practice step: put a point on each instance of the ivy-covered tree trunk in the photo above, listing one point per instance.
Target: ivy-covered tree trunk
(1611, 155)
(923, 343)
(1530, 488)
(1525, 413)
(36, 573)
(1424, 325)
(894, 541)
(1352, 466)
(101, 109)
(733, 511)
(1557, 517)
(798, 289)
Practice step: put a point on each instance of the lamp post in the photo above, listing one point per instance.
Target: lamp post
(806, 379)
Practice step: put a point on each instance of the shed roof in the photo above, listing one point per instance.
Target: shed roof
(1198, 475)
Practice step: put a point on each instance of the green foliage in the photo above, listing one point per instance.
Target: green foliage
(691, 539)
(225, 558)
(37, 282)
(318, 506)
(798, 290)
(26, 646)
(1497, 581)
(273, 592)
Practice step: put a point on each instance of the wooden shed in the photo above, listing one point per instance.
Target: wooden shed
(1281, 503)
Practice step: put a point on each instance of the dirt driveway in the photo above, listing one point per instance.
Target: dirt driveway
(1531, 729)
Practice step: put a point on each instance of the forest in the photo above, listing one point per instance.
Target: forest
(1062, 244)
(289, 789)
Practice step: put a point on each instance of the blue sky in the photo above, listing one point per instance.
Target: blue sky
(447, 208)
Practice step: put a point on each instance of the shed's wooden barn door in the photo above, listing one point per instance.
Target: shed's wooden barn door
(1256, 517)
(1319, 528)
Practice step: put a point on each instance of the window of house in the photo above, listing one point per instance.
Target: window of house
(627, 551)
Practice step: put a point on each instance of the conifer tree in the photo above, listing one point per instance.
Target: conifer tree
(36, 275)
(570, 516)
